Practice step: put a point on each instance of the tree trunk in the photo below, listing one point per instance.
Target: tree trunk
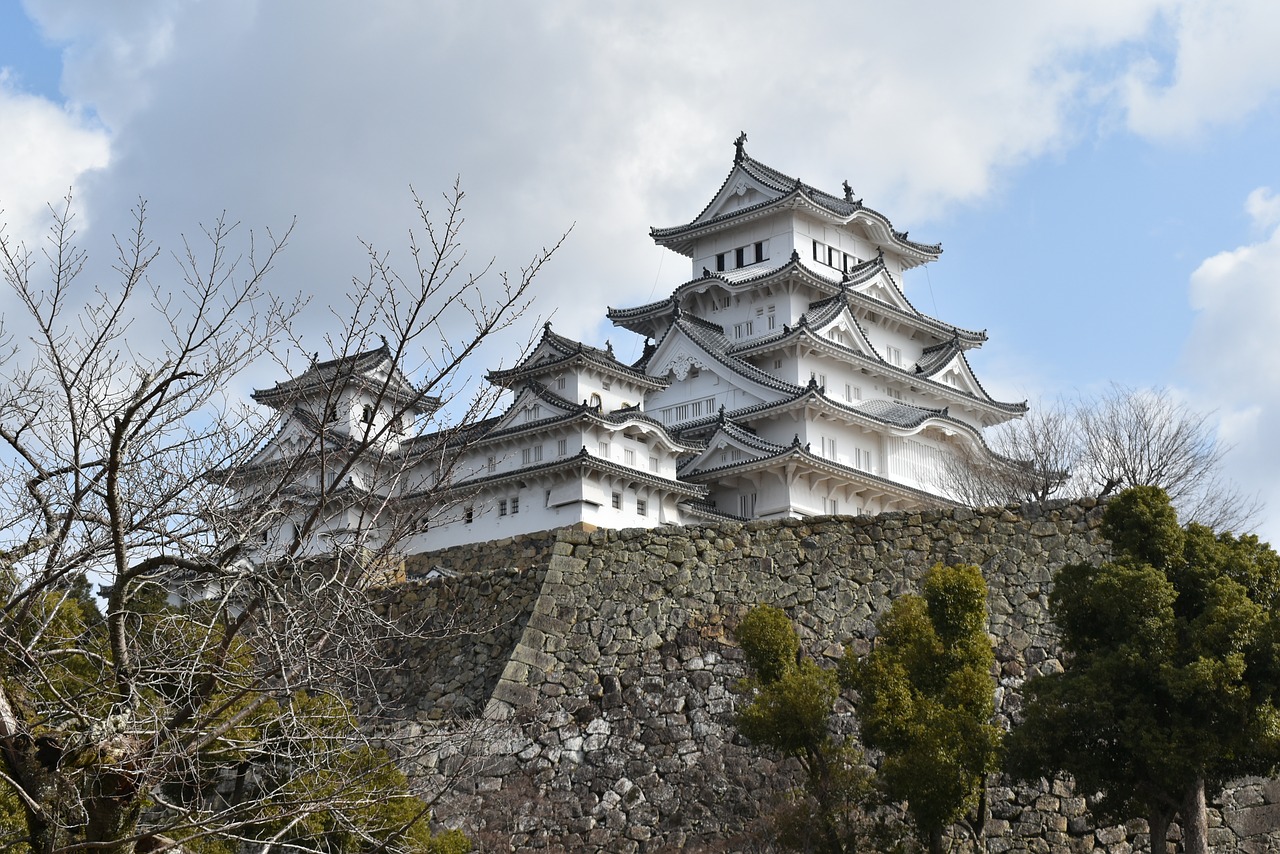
(1195, 824)
(1158, 822)
(935, 841)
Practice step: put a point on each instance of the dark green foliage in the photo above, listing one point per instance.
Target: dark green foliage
(769, 642)
(926, 700)
(790, 710)
(1171, 680)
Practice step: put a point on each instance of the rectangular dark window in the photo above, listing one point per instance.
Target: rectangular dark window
(759, 252)
(816, 245)
(739, 257)
(720, 263)
(515, 505)
(469, 514)
(502, 507)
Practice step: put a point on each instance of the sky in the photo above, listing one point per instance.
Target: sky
(1102, 174)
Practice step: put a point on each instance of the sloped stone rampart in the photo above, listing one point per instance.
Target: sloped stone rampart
(610, 687)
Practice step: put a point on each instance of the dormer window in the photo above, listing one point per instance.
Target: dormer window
(366, 414)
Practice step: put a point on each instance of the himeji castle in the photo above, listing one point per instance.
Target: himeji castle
(789, 376)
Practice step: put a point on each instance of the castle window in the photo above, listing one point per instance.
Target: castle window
(502, 506)
(759, 252)
(893, 356)
(740, 256)
(515, 505)
(562, 447)
(531, 455)
(747, 505)
(604, 450)
(492, 464)
(469, 514)
(720, 263)
(642, 507)
(896, 394)
(547, 500)
(629, 456)
(560, 383)
(617, 501)
(653, 463)
(816, 253)
(366, 414)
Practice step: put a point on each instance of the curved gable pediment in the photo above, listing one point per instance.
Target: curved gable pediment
(882, 289)
(844, 331)
(740, 190)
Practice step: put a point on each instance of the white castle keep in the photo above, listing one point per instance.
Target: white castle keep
(788, 377)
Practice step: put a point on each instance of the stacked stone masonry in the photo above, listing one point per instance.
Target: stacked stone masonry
(589, 704)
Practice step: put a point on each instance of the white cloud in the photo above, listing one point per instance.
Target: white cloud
(1221, 65)
(44, 150)
(1263, 207)
(1232, 355)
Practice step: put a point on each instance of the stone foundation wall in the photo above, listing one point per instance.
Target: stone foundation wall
(608, 682)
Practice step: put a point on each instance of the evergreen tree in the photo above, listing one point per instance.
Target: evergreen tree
(790, 710)
(1172, 653)
(927, 700)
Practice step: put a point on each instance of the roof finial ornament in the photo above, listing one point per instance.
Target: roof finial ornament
(315, 357)
(848, 192)
(795, 441)
(795, 255)
(706, 273)
(608, 346)
(740, 144)
(880, 254)
(720, 416)
(385, 345)
(546, 327)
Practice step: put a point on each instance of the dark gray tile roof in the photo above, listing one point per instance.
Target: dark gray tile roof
(579, 461)
(336, 374)
(787, 186)
(567, 352)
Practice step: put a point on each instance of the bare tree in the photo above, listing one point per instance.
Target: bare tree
(135, 724)
(1030, 459)
(1100, 446)
(1133, 437)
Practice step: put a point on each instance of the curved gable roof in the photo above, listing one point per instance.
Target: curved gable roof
(783, 191)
